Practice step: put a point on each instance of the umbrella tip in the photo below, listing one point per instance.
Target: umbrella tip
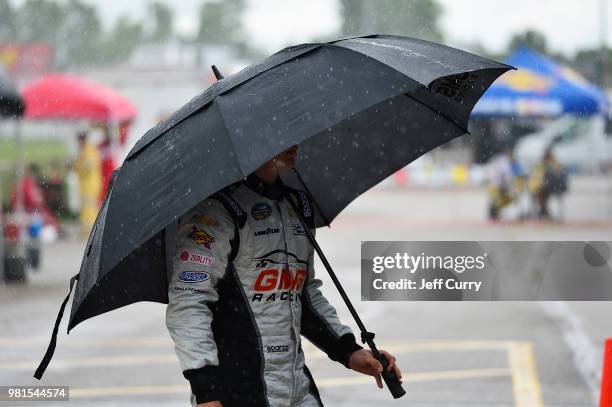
(217, 73)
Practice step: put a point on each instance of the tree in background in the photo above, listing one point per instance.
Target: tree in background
(595, 65)
(73, 29)
(220, 22)
(530, 38)
(163, 22)
(8, 23)
(125, 36)
(39, 21)
(80, 34)
(413, 18)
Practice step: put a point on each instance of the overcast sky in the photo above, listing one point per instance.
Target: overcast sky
(272, 24)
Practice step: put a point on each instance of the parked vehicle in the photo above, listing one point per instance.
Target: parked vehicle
(581, 144)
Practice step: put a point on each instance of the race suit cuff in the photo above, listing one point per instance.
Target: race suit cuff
(344, 349)
(205, 383)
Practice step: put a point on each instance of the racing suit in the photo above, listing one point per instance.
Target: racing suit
(242, 291)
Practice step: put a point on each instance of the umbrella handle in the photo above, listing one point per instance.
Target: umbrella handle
(391, 380)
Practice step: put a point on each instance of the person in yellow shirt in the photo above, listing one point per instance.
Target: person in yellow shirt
(88, 167)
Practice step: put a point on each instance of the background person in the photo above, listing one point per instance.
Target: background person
(107, 154)
(88, 169)
(33, 197)
(548, 179)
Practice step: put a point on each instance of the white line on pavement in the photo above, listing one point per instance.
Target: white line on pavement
(580, 345)
(329, 382)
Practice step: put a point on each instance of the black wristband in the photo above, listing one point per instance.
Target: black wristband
(205, 383)
(348, 346)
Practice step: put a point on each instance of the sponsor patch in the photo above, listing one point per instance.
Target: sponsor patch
(206, 220)
(280, 279)
(305, 204)
(193, 276)
(277, 348)
(233, 204)
(201, 237)
(267, 231)
(261, 210)
(277, 296)
(196, 258)
(189, 290)
(298, 229)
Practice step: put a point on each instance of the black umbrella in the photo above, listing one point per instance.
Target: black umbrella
(11, 102)
(359, 108)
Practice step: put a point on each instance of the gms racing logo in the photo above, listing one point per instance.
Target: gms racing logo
(278, 281)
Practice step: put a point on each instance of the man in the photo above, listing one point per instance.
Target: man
(88, 168)
(107, 155)
(33, 199)
(241, 293)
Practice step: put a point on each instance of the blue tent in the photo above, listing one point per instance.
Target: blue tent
(540, 87)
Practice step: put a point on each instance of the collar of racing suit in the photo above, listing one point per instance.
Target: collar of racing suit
(273, 191)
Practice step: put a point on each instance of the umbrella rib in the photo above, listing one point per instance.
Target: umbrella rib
(227, 131)
(406, 94)
(439, 113)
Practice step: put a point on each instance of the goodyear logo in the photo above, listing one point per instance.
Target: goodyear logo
(261, 210)
(267, 231)
(193, 276)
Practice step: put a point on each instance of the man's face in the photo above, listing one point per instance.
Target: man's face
(285, 160)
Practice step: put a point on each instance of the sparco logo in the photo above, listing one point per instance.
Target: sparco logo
(305, 204)
(233, 204)
(277, 348)
(267, 231)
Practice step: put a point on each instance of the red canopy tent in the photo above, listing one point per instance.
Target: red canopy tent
(68, 97)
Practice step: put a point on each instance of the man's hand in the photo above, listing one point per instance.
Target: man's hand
(210, 404)
(363, 361)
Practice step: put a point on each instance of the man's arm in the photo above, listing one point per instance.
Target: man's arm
(202, 250)
(321, 325)
(320, 322)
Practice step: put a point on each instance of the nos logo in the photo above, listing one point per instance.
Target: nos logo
(193, 276)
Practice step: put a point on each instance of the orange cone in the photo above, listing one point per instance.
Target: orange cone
(606, 376)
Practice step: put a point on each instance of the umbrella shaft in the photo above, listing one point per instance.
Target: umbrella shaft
(331, 273)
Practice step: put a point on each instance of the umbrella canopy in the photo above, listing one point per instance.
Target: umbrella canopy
(68, 97)
(540, 87)
(11, 102)
(359, 109)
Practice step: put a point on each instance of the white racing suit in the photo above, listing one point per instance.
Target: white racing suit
(241, 293)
